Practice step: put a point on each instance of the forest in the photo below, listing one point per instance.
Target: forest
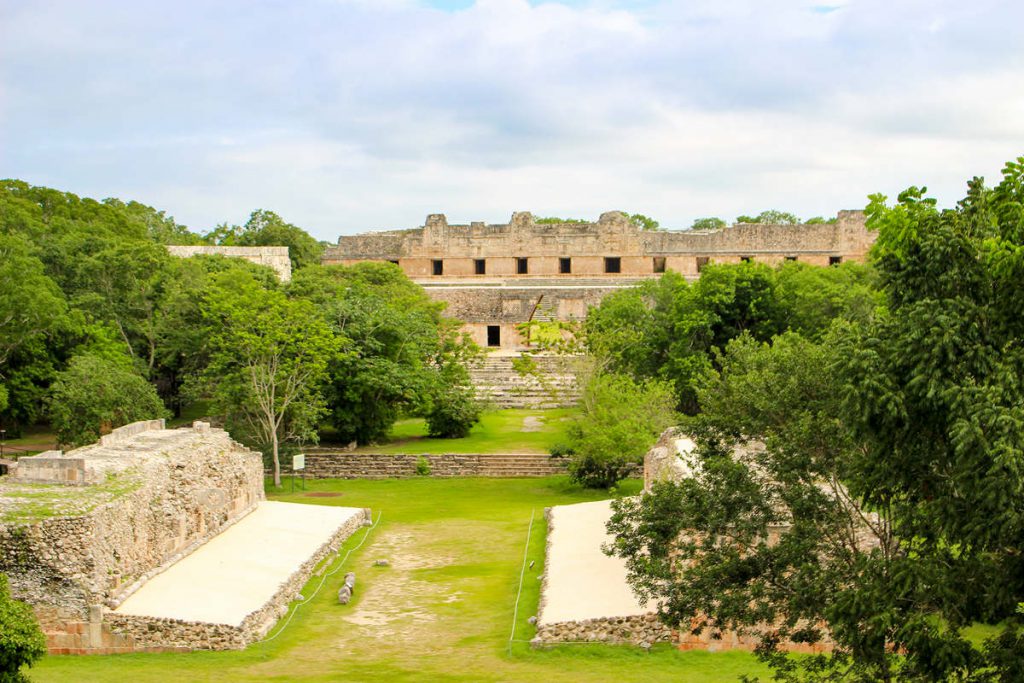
(100, 326)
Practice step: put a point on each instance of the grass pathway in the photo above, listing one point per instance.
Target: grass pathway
(441, 611)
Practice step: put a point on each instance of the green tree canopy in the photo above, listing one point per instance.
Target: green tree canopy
(644, 222)
(710, 223)
(97, 394)
(266, 228)
(772, 216)
(21, 640)
(268, 358)
(619, 420)
(885, 507)
(403, 351)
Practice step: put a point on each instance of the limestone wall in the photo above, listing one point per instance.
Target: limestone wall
(157, 494)
(274, 257)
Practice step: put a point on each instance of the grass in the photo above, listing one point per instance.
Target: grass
(27, 503)
(33, 440)
(442, 610)
(499, 431)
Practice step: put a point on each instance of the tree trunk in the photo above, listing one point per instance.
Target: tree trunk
(277, 461)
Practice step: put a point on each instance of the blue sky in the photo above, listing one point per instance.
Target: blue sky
(348, 115)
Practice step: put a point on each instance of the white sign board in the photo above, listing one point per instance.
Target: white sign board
(298, 462)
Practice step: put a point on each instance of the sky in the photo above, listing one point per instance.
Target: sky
(350, 115)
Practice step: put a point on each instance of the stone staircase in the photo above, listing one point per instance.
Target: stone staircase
(324, 463)
(544, 311)
(498, 383)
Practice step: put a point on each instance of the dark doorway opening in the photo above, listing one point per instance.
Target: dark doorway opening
(438, 267)
(522, 266)
(659, 264)
(565, 265)
(493, 335)
(612, 264)
(835, 260)
(480, 265)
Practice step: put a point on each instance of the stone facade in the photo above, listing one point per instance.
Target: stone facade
(274, 257)
(495, 277)
(118, 513)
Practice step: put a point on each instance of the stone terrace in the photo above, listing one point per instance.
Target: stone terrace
(81, 532)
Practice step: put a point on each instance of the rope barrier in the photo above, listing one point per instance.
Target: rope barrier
(522, 573)
(323, 580)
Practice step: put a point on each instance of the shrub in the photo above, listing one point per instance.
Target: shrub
(21, 640)
(96, 394)
(561, 450)
(619, 420)
(453, 413)
(423, 466)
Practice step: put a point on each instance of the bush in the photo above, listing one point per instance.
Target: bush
(619, 421)
(453, 413)
(21, 640)
(423, 466)
(561, 450)
(96, 394)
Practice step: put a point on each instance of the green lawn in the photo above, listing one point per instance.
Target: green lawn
(442, 610)
(499, 431)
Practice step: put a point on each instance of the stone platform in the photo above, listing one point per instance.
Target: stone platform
(241, 570)
(585, 596)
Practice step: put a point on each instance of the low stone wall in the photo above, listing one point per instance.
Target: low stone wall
(323, 464)
(643, 630)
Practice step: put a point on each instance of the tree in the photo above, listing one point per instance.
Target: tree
(545, 220)
(30, 302)
(452, 407)
(22, 643)
(643, 222)
(266, 228)
(404, 353)
(96, 394)
(772, 216)
(619, 420)
(268, 357)
(711, 223)
(124, 285)
(892, 456)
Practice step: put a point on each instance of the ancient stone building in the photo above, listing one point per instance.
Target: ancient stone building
(84, 533)
(495, 277)
(273, 257)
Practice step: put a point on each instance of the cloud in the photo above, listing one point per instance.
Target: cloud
(350, 115)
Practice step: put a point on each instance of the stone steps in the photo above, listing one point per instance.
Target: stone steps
(321, 463)
(498, 383)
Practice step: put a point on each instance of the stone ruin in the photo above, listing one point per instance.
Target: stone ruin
(272, 257)
(495, 277)
(503, 281)
(81, 532)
